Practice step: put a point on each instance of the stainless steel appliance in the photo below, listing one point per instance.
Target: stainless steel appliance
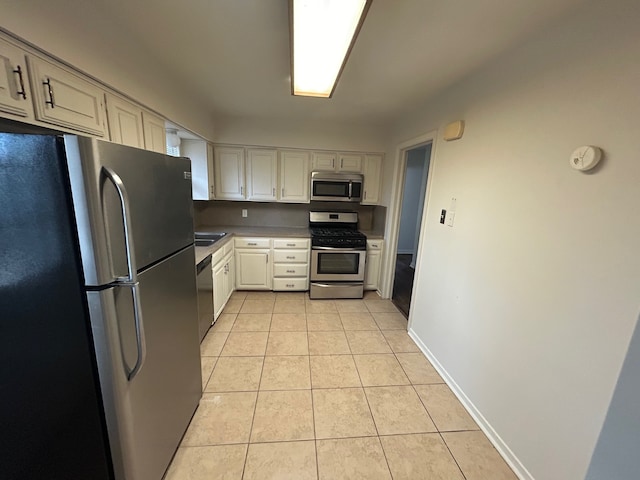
(338, 253)
(336, 187)
(204, 280)
(98, 309)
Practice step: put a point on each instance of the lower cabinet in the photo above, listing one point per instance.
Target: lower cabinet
(373, 262)
(223, 272)
(290, 264)
(253, 263)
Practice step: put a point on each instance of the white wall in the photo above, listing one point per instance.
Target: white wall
(308, 134)
(530, 300)
(76, 32)
(411, 207)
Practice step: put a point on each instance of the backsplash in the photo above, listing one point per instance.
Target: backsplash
(228, 213)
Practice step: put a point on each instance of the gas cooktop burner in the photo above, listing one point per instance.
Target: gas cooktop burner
(335, 232)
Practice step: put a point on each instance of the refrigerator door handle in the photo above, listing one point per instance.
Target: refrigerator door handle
(141, 344)
(126, 218)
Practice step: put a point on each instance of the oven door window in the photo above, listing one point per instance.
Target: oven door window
(324, 188)
(341, 263)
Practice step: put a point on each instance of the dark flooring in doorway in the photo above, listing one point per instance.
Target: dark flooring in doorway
(403, 284)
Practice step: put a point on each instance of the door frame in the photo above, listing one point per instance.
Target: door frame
(397, 195)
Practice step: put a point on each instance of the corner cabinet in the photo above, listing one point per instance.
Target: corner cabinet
(371, 169)
(202, 177)
(65, 99)
(372, 265)
(253, 263)
(262, 174)
(125, 122)
(294, 176)
(229, 173)
(155, 135)
(15, 92)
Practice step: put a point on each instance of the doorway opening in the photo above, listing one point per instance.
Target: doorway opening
(414, 191)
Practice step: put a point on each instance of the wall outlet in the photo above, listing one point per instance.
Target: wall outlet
(244, 213)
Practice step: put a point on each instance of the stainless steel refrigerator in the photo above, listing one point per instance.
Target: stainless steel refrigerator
(99, 345)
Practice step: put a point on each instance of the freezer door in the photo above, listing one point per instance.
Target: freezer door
(148, 413)
(158, 196)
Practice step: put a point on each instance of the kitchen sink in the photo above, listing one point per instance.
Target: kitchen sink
(205, 239)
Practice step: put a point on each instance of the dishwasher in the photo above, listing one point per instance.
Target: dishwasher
(205, 296)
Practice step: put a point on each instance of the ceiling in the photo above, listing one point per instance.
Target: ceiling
(234, 54)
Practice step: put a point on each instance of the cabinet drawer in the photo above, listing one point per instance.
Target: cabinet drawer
(282, 243)
(290, 256)
(217, 256)
(290, 284)
(292, 270)
(253, 243)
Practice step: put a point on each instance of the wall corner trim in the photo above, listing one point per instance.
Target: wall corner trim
(503, 449)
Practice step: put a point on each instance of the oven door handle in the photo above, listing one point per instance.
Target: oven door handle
(338, 249)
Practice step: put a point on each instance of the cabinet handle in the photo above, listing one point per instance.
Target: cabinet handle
(291, 271)
(274, 191)
(283, 192)
(333, 163)
(51, 100)
(290, 258)
(212, 190)
(291, 244)
(267, 258)
(252, 244)
(290, 285)
(22, 91)
(342, 163)
(365, 194)
(241, 190)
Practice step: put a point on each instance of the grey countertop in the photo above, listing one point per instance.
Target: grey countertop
(272, 232)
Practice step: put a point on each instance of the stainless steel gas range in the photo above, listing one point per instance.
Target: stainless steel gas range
(338, 253)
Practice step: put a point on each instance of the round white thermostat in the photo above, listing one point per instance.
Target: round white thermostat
(585, 158)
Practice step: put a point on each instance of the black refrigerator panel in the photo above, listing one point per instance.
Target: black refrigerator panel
(52, 423)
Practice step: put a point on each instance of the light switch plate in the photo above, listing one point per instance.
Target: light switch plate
(244, 213)
(450, 218)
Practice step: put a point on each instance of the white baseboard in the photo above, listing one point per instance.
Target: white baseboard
(503, 449)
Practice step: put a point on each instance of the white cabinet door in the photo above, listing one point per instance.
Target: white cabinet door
(372, 267)
(201, 155)
(219, 288)
(229, 173)
(65, 99)
(371, 169)
(323, 161)
(294, 177)
(372, 270)
(125, 122)
(253, 270)
(349, 162)
(262, 174)
(155, 135)
(15, 95)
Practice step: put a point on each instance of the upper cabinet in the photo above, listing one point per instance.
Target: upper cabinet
(229, 173)
(155, 135)
(15, 95)
(349, 162)
(336, 162)
(65, 99)
(125, 122)
(202, 177)
(371, 169)
(262, 174)
(294, 176)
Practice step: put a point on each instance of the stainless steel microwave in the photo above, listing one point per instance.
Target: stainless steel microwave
(336, 187)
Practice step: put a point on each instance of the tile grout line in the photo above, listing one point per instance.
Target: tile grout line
(313, 412)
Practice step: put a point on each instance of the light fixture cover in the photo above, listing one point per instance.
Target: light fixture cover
(173, 140)
(322, 32)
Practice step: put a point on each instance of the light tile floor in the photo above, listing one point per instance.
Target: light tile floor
(325, 389)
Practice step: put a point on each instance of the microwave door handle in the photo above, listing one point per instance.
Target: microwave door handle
(350, 188)
(132, 276)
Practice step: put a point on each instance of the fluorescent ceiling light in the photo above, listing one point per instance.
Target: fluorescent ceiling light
(323, 32)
